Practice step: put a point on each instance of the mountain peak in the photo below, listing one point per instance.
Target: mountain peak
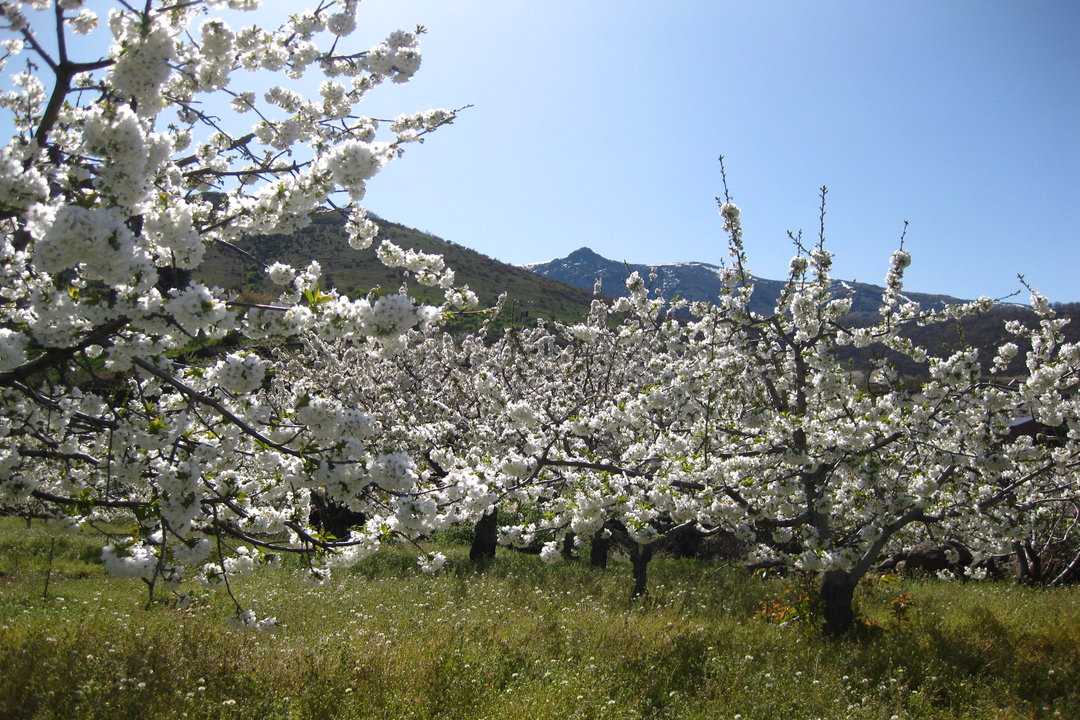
(585, 253)
(697, 281)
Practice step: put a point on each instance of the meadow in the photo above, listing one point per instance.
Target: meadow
(519, 639)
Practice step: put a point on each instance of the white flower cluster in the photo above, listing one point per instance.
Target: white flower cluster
(196, 308)
(354, 162)
(96, 241)
(394, 472)
(218, 43)
(360, 229)
(429, 269)
(549, 553)
(12, 349)
(174, 240)
(141, 64)
(327, 420)
(410, 128)
(281, 274)
(139, 561)
(431, 563)
(19, 187)
(240, 373)
(397, 58)
(247, 620)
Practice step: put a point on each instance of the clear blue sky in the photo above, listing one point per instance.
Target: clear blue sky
(598, 123)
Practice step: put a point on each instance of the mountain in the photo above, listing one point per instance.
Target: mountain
(698, 281)
(355, 272)
(562, 289)
(701, 281)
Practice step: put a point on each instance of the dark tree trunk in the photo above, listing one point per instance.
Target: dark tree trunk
(1023, 571)
(686, 542)
(837, 595)
(332, 517)
(598, 550)
(568, 546)
(485, 538)
(170, 278)
(640, 555)
(1035, 568)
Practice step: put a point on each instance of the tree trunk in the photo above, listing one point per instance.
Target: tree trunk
(837, 595)
(332, 517)
(485, 538)
(686, 542)
(568, 546)
(640, 555)
(1034, 562)
(598, 550)
(1023, 572)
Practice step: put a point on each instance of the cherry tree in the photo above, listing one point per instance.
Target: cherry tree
(121, 172)
(606, 413)
(755, 425)
(515, 421)
(552, 423)
(818, 470)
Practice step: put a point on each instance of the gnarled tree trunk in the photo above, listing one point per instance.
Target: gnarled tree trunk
(485, 538)
(332, 517)
(640, 555)
(598, 549)
(837, 595)
(685, 542)
(568, 546)
(1023, 569)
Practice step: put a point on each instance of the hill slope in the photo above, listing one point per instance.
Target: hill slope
(355, 272)
(561, 289)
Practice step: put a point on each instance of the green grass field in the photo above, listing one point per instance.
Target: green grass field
(520, 640)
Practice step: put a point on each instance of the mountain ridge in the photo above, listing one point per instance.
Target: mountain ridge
(356, 272)
(534, 296)
(695, 280)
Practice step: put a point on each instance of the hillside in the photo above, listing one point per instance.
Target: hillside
(561, 289)
(698, 281)
(355, 272)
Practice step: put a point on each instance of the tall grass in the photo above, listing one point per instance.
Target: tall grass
(521, 640)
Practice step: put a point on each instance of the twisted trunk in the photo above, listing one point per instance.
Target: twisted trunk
(568, 546)
(598, 550)
(837, 595)
(485, 538)
(332, 517)
(685, 542)
(1023, 570)
(640, 555)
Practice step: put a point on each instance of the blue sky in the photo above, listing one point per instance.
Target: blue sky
(599, 122)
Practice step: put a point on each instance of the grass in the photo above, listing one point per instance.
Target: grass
(521, 640)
